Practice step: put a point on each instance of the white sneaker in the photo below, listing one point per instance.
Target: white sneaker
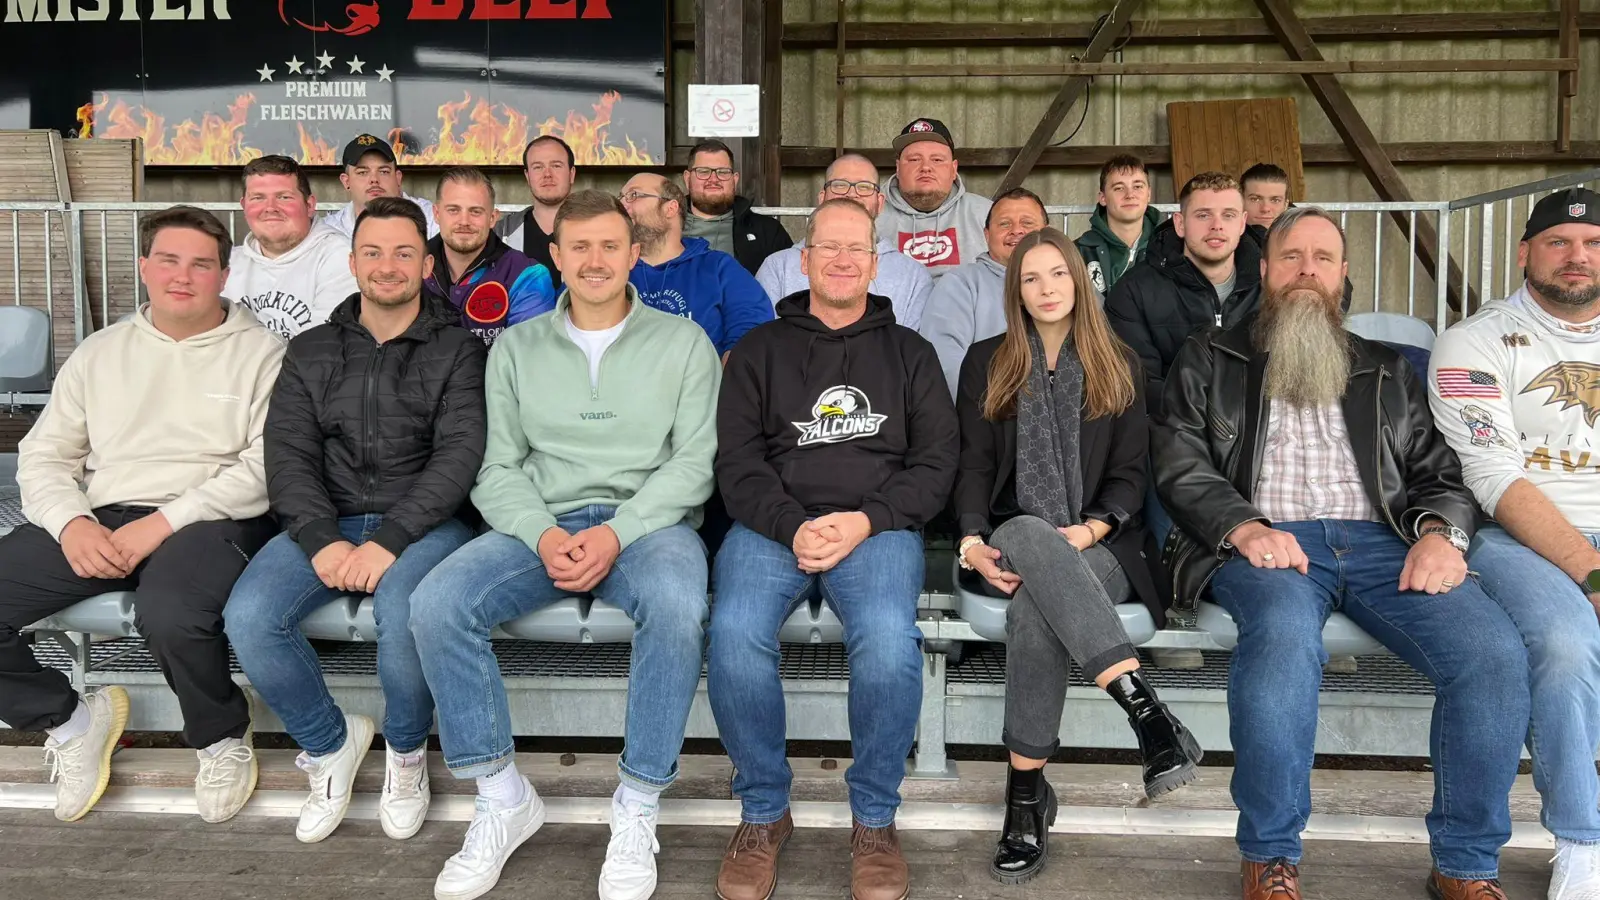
(404, 804)
(226, 780)
(629, 872)
(81, 767)
(1577, 872)
(491, 839)
(332, 778)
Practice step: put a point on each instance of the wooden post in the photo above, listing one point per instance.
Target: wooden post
(838, 90)
(729, 47)
(1566, 82)
(771, 189)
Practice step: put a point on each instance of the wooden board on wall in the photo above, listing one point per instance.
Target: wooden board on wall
(107, 171)
(1233, 135)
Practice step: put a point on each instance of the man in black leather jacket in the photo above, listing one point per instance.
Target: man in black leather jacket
(1301, 464)
(373, 440)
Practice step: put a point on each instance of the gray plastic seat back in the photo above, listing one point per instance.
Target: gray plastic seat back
(986, 615)
(108, 614)
(25, 349)
(1340, 636)
(1393, 328)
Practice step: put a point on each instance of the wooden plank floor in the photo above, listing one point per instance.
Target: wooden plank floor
(170, 857)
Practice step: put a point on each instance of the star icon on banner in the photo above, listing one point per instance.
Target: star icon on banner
(265, 72)
(384, 72)
(355, 65)
(325, 60)
(295, 65)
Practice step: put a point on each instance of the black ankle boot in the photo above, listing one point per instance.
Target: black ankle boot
(1170, 752)
(1024, 839)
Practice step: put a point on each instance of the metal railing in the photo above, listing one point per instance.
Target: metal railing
(1490, 228)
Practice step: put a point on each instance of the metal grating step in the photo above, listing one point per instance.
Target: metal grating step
(11, 514)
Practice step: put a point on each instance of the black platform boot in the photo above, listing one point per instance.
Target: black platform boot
(1170, 752)
(1024, 839)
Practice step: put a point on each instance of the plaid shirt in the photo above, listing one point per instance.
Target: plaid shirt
(1309, 468)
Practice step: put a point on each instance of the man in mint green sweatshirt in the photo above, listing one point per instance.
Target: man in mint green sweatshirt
(602, 432)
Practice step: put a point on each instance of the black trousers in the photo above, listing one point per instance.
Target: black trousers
(179, 592)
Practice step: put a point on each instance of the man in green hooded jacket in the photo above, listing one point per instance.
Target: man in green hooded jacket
(1120, 229)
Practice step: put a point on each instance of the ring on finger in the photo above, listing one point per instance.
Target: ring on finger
(1447, 584)
(1266, 557)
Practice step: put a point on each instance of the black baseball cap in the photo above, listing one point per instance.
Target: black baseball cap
(924, 130)
(1571, 205)
(364, 144)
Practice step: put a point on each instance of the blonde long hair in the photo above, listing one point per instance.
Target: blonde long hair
(1107, 378)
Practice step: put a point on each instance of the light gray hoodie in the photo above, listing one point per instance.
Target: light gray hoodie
(900, 278)
(942, 239)
(965, 307)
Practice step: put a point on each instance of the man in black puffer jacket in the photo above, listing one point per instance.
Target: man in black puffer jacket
(373, 440)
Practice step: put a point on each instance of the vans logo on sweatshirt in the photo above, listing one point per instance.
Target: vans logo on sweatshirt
(931, 248)
(842, 413)
(283, 314)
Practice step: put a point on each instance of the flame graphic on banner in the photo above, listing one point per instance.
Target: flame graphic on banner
(496, 135)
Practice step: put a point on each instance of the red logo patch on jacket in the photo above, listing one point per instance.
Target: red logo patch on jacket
(488, 303)
(932, 248)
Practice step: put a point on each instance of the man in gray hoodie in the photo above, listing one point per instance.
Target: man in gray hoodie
(968, 305)
(929, 214)
(900, 278)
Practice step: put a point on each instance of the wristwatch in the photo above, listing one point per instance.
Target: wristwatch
(1591, 582)
(1456, 537)
(961, 550)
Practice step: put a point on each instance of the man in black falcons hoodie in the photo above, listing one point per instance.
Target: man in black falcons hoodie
(836, 441)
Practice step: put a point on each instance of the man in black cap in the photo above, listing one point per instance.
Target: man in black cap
(370, 171)
(1516, 391)
(928, 212)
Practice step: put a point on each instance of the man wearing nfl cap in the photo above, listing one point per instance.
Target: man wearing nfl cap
(370, 171)
(1516, 391)
(927, 211)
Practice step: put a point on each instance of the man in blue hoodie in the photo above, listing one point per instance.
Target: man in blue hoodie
(684, 276)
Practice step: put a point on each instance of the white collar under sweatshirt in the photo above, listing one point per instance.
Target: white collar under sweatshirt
(140, 419)
(297, 290)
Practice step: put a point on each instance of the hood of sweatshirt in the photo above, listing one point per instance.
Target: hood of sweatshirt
(239, 318)
(317, 240)
(942, 238)
(1100, 233)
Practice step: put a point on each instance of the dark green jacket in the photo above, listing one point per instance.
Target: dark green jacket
(1107, 257)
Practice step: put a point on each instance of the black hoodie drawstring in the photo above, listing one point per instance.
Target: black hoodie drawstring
(805, 361)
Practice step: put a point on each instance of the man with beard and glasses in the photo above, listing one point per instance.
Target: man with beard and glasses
(683, 275)
(551, 169)
(1516, 391)
(723, 218)
(289, 274)
(370, 171)
(902, 279)
(1351, 502)
(373, 438)
(490, 284)
(927, 211)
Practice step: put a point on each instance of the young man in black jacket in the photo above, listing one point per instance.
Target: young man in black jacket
(837, 441)
(718, 214)
(1350, 501)
(373, 439)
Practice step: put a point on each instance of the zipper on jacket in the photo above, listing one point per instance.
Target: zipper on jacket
(370, 423)
(1377, 456)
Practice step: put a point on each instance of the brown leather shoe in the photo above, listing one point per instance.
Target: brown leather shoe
(1276, 880)
(1442, 888)
(877, 870)
(749, 868)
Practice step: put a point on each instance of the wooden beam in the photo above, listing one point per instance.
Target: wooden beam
(731, 32)
(1566, 82)
(1347, 120)
(1079, 156)
(1240, 67)
(1115, 26)
(771, 187)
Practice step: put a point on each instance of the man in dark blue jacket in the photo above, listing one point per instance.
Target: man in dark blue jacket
(493, 285)
(684, 276)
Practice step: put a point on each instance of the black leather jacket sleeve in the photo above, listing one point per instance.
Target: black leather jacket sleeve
(1122, 486)
(294, 456)
(1192, 487)
(1433, 471)
(459, 432)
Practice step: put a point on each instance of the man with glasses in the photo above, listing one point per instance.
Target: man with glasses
(720, 216)
(902, 279)
(683, 275)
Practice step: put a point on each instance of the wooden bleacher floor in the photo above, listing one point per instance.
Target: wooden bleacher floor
(169, 857)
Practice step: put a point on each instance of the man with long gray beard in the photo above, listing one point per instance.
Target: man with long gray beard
(1352, 503)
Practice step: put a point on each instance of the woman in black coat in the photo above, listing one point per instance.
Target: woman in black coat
(1054, 447)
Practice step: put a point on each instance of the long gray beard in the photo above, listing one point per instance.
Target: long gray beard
(1309, 362)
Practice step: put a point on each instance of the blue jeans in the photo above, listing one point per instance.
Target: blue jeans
(659, 581)
(1460, 641)
(874, 593)
(1562, 635)
(1156, 520)
(279, 589)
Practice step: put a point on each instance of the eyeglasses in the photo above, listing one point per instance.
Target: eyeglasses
(705, 172)
(830, 250)
(841, 187)
(636, 196)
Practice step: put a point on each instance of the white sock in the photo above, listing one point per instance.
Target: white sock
(504, 789)
(220, 746)
(75, 727)
(635, 801)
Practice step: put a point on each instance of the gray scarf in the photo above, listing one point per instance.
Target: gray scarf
(1049, 474)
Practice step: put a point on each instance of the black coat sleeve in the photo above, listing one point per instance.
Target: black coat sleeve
(1121, 491)
(1200, 499)
(770, 238)
(1434, 486)
(751, 488)
(294, 459)
(459, 432)
(916, 493)
(1125, 310)
(980, 463)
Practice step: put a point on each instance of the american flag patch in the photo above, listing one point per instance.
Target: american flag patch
(1467, 383)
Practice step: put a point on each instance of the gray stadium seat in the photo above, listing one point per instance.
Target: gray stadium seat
(1393, 328)
(25, 349)
(987, 615)
(1340, 636)
(109, 614)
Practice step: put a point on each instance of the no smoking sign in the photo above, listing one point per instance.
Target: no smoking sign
(724, 110)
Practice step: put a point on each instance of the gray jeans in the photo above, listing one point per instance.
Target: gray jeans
(1063, 611)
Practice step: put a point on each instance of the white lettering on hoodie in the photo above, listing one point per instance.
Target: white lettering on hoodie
(297, 290)
(138, 418)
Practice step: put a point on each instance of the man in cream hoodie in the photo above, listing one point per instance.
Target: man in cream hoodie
(290, 275)
(145, 474)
